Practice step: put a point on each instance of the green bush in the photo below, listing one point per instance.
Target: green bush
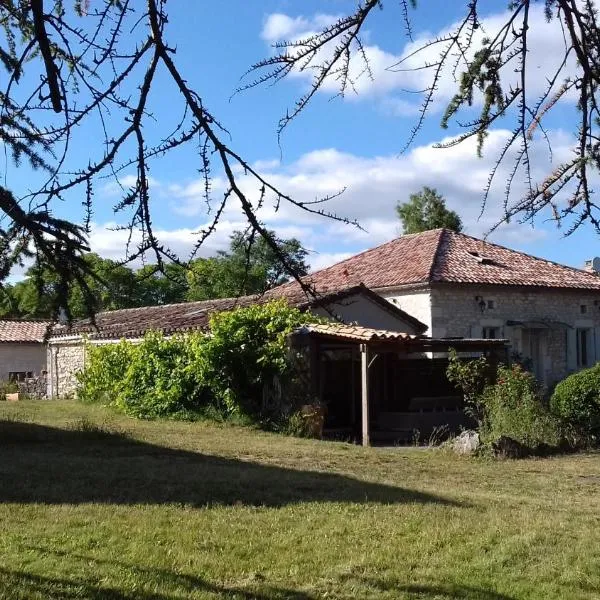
(104, 373)
(165, 377)
(223, 373)
(576, 400)
(513, 408)
(156, 377)
(248, 350)
(471, 376)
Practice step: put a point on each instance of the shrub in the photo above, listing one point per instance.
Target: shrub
(165, 376)
(105, 370)
(513, 408)
(184, 376)
(471, 377)
(248, 350)
(576, 400)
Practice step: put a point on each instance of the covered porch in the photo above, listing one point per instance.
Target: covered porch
(387, 387)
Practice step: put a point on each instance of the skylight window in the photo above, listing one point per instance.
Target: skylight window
(480, 258)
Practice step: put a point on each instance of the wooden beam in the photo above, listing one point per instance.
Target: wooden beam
(364, 372)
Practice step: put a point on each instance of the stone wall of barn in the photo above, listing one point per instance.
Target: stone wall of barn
(557, 315)
(65, 359)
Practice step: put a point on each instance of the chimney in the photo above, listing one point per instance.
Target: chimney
(592, 265)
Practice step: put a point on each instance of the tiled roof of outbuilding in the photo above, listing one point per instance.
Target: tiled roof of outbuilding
(20, 331)
(444, 256)
(190, 316)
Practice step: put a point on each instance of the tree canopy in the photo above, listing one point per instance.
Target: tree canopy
(427, 210)
(246, 268)
(70, 63)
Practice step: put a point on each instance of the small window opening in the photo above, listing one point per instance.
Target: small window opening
(583, 309)
(491, 333)
(491, 304)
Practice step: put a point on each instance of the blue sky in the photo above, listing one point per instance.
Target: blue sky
(353, 142)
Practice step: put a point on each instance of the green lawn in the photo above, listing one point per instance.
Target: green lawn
(165, 510)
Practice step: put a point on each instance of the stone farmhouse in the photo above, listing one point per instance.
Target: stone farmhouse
(440, 283)
(464, 287)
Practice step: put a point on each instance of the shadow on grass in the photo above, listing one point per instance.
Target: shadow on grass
(28, 585)
(187, 585)
(440, 591)
(55, 466)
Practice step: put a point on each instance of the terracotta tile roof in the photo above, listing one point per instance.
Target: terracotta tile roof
(22, 331)
(189, 316)
(355, 332)
(420, 343)
(444, 256)
(135, 322)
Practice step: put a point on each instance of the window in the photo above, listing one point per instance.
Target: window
(583, 309)
(491, 333)
(491, 304)
(584, 339)
(19, 375)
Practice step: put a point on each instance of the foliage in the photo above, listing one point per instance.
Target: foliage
(250, 266)
(470, 376)
(489, 65)
(427, 210)
(8, 387)
(513, 408)
(158, 377)
(248, 350)
(91, 75)
(223, 373)
(576, 400)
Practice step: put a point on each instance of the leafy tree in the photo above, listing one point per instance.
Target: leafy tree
(427, 210)
(250, 266)
(111, 285)
(77, 66)
(156, 286)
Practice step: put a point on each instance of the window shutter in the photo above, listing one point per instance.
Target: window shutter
(572, 349)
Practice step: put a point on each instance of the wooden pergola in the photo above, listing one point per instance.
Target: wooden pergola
(372, 343)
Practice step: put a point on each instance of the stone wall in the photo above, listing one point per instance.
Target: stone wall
(65, 360)
(456, 312)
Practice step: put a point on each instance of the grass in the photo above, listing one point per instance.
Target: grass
(96, 505)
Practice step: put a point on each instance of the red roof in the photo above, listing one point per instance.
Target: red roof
(22, 331)
(444, 256)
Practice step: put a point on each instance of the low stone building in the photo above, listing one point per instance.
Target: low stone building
(66, 346)
(22, 349)
(461, 286)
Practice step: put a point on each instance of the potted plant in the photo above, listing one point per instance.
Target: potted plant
(10, 391)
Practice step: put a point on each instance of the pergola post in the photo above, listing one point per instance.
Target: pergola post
(364, 373)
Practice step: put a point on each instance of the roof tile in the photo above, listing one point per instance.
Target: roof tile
(22, 331)
(444, 256)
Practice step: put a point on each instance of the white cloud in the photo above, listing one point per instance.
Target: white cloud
(545, 52)
(373, 187)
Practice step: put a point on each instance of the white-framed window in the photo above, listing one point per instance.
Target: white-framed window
(584, 340)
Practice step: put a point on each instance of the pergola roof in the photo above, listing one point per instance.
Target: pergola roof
(355, 334)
